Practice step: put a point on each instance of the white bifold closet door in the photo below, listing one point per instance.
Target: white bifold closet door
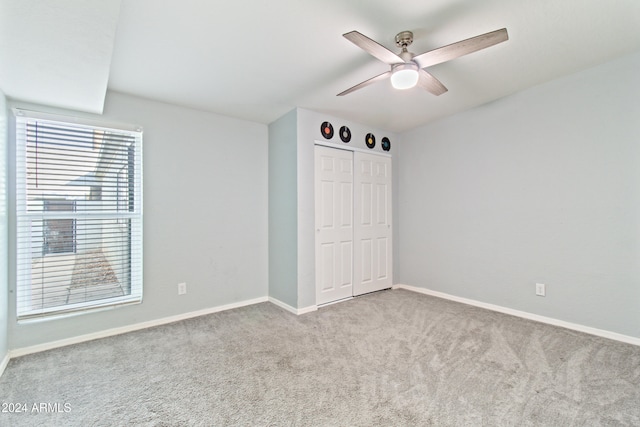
(334, 224)
(353, 223)
(372, 223)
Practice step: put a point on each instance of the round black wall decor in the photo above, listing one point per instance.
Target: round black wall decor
(327, 130)
(386, 144)
(345, 134)
(370, 140)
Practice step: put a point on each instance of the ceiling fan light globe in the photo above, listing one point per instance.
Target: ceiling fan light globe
(404, 78)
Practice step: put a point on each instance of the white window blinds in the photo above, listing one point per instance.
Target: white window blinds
(79, 215)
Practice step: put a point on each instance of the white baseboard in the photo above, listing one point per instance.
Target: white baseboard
(525, 315)
(296, 311)
(130, 328)
(326, 304)
(4, 363)
(309, 309)
(284, 305)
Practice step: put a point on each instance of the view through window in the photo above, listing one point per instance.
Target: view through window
(79, 215)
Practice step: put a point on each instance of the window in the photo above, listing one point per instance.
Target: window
(78, 214)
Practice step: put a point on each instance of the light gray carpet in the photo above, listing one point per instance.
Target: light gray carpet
(391, 358)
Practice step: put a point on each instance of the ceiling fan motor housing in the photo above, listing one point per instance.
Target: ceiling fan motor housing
(404, 75)
(404, 39)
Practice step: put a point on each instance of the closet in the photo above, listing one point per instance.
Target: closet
(353, 242)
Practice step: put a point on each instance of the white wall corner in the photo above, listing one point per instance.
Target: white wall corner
(290, 309)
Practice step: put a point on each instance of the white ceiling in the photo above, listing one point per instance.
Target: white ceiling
(57, 53)
(257, 60)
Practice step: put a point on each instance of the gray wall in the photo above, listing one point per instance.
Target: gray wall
(3, 230)
(539, 187)
(283, 211)
(542, 186)
(205, 218)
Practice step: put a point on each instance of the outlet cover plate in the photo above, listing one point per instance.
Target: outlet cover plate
(182, 288)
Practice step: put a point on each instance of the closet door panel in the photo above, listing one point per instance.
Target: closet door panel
(334, 224)
(372, 229)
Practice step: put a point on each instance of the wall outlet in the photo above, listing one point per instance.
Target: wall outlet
(540, 289)
(182, 288)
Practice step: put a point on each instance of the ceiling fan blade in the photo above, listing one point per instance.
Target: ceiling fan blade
(365, 83)
(429, 83)
(373, 48)
(464, 47)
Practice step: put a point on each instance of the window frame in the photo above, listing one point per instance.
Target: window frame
(130, 219)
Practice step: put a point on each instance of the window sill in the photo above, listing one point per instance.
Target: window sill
(63, 314)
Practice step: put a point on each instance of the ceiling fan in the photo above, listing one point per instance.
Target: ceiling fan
(407, 69)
